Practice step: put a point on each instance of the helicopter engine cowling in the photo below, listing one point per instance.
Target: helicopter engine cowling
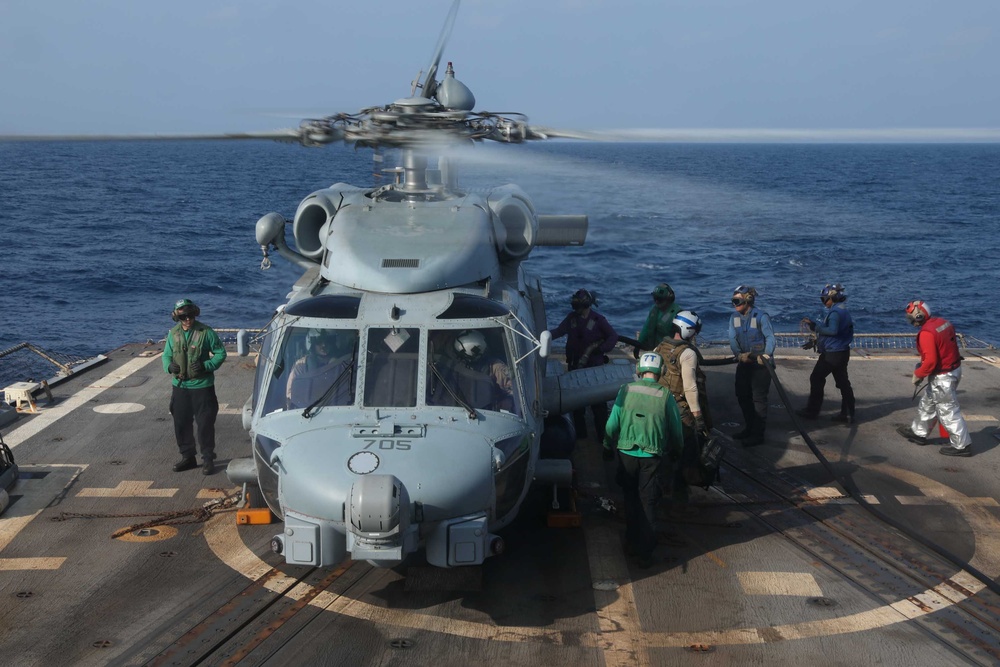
(515, 220)
(311, 226)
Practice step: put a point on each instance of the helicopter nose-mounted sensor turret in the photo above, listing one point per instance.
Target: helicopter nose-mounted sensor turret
(380, 528)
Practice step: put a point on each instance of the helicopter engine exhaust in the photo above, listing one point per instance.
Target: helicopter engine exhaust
(518, 225)
(315, 212)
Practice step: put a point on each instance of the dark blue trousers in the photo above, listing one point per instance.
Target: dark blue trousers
(639, 479)
(191, 407)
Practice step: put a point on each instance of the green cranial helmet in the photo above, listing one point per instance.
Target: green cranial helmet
(649, 362)
(184, 306)
(663, 294)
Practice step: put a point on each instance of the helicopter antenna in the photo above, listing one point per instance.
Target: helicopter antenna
(429, 85)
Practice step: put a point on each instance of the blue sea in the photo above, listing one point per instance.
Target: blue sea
(99, 239)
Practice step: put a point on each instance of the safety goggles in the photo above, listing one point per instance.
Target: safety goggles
(739, 302)
(185, 316)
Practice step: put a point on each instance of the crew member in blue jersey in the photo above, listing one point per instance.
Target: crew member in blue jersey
(192, 354)
(751, 338)
(646, 430)
(660, 320)
(589, 338)
(834, 334)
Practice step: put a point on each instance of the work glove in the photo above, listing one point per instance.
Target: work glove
(699, 424)
(174, 368)
(916, 380)
(744, 357)
(197, 368)
(810, 344)
(809, 323)
(763, 359)
(636, 352)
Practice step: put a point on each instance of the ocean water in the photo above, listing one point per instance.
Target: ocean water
(99, 239)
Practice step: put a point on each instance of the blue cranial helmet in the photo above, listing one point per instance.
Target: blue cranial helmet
(835, 291)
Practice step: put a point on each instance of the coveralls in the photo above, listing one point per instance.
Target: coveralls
(941, 364)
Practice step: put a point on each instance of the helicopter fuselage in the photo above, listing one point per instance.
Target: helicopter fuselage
(375, 432)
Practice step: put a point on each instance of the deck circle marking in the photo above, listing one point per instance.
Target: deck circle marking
(222, 535)
(161, 533)
(118, 408)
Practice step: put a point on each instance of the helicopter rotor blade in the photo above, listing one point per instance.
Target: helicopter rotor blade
(306, 136)
(793, 135)
(542, 132)
(429, 85)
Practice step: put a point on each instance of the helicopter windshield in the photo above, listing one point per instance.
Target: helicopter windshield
(313, 364)
(391, 367)
(470, 368)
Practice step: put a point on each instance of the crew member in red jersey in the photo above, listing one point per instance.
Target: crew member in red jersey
(941, 365)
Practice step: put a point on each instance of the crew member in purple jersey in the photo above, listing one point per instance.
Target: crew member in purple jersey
(589, 338)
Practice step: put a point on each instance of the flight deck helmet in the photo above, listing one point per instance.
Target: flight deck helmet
(663, 294)
(688, 324)
(835, 291)
(469, 345)
(917, 312)
(182, 307)
(582, 299)
(744, 294)
(649, 362)
(324, 337)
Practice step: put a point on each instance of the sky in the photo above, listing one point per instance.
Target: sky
(700, 69)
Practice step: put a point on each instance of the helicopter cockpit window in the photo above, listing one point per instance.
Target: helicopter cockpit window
(328, 306)
(468, 306)
(391, 368)
(315, 367)
(470, 367)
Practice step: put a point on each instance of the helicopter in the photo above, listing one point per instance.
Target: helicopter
(401, 399)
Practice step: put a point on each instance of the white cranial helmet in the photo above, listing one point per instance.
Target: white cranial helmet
(688, 324)
(470, 345)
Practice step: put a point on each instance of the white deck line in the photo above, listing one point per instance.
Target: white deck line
(51, 415)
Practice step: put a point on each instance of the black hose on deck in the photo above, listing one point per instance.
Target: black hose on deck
(855, 494)
(704, 362)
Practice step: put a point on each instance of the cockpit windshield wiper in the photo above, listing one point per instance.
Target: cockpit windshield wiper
(319, 402)
(456, 394)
